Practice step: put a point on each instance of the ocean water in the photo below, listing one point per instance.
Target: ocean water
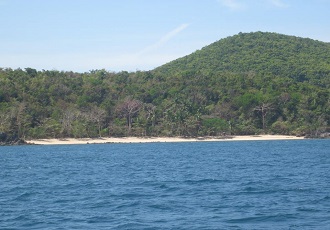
(215, 185)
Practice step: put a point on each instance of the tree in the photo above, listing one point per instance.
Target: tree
(264, 108)
(128, 109)
(69, 115)
(96, 115)
(31, 72)
(150, 116)
(21, 118)
(4, 122)
(214, 126)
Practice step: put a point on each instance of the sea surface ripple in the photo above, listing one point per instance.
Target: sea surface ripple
(216, 185)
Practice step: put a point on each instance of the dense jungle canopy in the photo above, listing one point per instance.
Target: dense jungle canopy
(250, 83)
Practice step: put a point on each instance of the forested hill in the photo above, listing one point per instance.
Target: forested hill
(259, 53)
(245, 84)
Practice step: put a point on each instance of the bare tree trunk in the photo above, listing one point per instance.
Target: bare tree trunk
(128, 109)
(264, 108)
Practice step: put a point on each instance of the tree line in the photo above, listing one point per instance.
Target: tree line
(240, 92)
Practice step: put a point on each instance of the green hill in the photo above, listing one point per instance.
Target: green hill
(260, 53)
(249, 83)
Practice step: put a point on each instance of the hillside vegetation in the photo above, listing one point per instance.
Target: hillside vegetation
(250, 83)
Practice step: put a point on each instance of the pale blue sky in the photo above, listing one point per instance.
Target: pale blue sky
(115, 35)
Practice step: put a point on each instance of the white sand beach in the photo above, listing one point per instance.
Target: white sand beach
(67, 141)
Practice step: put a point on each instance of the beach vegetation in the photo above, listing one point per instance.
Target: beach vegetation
(246, 84)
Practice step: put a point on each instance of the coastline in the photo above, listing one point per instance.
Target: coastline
(103, 140)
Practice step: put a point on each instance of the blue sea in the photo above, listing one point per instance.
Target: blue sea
(203, 185)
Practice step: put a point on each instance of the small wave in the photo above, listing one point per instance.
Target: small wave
(204, 181)
(132, 226)
(256, 219)
(128, 205)
(159, 206)
(306, 209)
(258, 190)
(322, 200)
(25, 196)
(132, 195)
(98, 219)
(20, 218)
(326, 198)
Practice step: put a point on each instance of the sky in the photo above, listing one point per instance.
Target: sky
(139, 35)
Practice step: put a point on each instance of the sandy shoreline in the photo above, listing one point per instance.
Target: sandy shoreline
(156, 139)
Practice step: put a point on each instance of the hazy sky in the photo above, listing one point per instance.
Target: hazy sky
(115, 35)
